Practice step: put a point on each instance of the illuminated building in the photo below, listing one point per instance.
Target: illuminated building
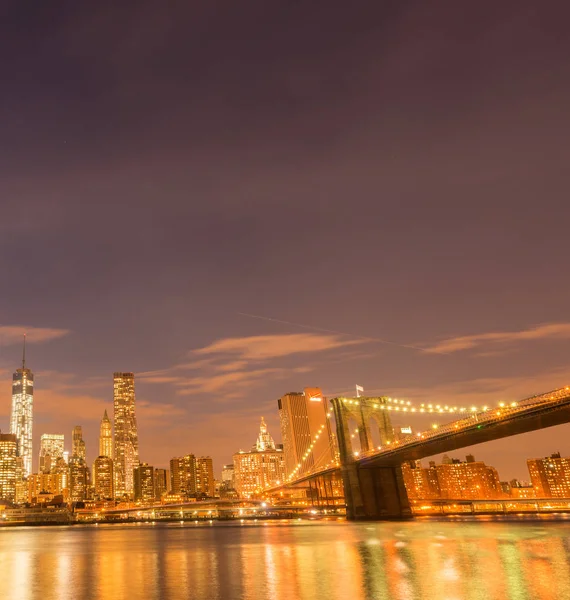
(106, 437)
(21, 420)
(472, 480)
(144, 483)
(228, 477)
(8, 459)
(126, 437)
(304, 423)
(60, 478)
(452, 480)
(183, 475)
(259, 468)
(51, 448)
(161, 482)
(420, 483)
(205, 484)
(77, 443)
(550, 476)
(78, 479)
(103, 478)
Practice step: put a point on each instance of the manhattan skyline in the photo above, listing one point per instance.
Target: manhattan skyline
(400, 176)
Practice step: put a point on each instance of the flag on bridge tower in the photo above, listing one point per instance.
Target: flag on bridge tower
(358, 390)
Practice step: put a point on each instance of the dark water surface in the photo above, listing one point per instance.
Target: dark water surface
(333, 561)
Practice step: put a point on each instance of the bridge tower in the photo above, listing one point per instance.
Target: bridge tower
(370, 492)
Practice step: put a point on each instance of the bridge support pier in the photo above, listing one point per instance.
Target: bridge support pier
(375, 493)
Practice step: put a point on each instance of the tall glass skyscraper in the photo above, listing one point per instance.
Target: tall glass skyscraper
(126, 436)
(22, 420)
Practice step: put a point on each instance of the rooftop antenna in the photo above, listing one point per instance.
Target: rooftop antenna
(24, 354)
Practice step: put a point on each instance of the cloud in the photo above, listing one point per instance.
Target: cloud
(540, 332)
(13, 334)
(264, 347)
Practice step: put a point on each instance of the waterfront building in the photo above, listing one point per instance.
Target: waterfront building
(21, 419)
(144, 483)
(103, 478)
(51, 448)
(183, 475)
(126, 435)
(106, 437)
(420, 483)
(452, 480)
(8, 460)
(228, 477)
(78, 479)
(77, 444)
(263, 466)
(205, 483)
(305, 431)
(161, 482)
(550, 476)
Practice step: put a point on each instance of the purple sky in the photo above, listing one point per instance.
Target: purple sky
(393, 170)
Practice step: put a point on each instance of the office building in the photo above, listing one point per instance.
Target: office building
(51, 448)
(78, 479)
(22, 416)
(161, 483)
(550, 476)
(106, 437)
(126, 436)
(183, 475)
(205, 483)
(103, 478)
(144, 483)
(8, 460)
(77, 444)
(228, 477)
(262, 467)
(305, 431)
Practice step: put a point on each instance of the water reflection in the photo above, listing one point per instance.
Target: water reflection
(336, 561)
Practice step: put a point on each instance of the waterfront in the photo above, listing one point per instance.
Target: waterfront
(418, 560)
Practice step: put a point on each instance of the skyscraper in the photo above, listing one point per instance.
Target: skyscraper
(183, 475)
(78, 479)
(103, 478)
(305, 431)
(161, 482)
(77, 444)
(8, 450)
(51, 448)
(550, 476)
(144, 483)
(126, 437)
(262, 467)
(205, 483)
(106, 437)
(21, 420)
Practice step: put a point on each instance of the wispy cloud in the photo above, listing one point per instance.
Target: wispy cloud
(263, 347)
(13, 334)
(233, 366)
(466, 342)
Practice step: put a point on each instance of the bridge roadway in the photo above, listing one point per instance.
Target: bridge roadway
(373, 482)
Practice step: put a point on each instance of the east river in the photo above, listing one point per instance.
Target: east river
(435, 560)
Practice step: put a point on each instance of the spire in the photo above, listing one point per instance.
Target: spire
(105, 415)
(24, 354)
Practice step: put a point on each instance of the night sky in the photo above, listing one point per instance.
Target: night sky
(361, 172)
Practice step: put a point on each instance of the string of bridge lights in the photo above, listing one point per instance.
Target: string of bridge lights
(393, 404)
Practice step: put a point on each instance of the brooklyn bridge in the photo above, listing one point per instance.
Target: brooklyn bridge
(369, 478)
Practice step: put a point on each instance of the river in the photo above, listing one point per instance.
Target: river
(418, 560)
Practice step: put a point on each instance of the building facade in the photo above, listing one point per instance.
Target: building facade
(51, 449)
(305, 431)
(550, 476)
(161, 483)
(126, 435)
(106, 437)
(144, 483)
(103, 478)
(205, 484)
(8, 459)
(77, 444)
(183, 475)
(262, 467)
(78, 479)
(22, 416)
